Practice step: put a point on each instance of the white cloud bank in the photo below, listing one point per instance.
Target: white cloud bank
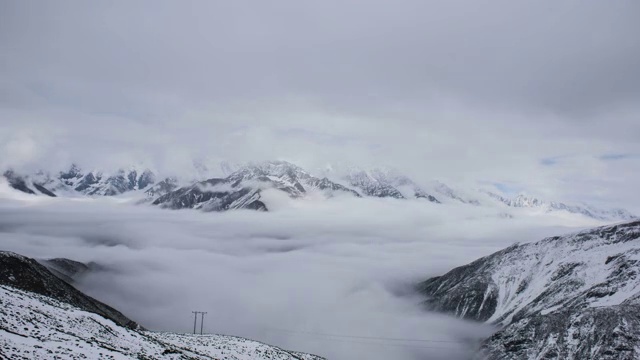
(342, 266)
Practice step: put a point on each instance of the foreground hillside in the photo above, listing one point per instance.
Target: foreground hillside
(565, 297)
(36, 326)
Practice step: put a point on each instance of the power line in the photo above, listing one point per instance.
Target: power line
(202, 321)
(377, 340)
(414, 346)
(364, 337)
(195, 320)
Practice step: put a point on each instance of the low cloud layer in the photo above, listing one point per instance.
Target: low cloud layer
(291, 277)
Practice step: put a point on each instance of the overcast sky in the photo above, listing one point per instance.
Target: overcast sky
(540, 96)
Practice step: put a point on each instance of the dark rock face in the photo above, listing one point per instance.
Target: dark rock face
(44, 190)
(162, 187)
(593, 333)
(326, 184)
(243, 188)
(65, 269)
(205, 196)
(17, 182)
(86, 182)
(27, 274)
(25, 185)
(465, 292)
(72, 173)
(560, 298)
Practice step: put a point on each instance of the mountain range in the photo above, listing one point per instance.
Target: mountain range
(575, 296)
(242, 187)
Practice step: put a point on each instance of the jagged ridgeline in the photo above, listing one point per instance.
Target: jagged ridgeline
(44, 317)
(242, 187)
(567, 297)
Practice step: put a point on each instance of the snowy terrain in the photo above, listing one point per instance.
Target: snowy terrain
(43, 317)
(573, 296)
(38, 327)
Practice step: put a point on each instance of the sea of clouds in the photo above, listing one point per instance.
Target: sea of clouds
(295, 277)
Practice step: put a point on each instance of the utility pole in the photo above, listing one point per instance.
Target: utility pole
(202, 322)
(195, 319)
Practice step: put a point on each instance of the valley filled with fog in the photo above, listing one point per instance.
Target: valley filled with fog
(320, 177)
(333, 277)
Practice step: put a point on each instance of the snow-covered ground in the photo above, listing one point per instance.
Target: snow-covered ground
(33, 326)
(566, 297)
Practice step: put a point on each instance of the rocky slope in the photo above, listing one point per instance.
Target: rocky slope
(566, 297)
(213, 195)
(42, 318)
(28, 274)
(26, 184)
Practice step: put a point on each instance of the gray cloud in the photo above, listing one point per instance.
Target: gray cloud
(464, 91)
(569, 56)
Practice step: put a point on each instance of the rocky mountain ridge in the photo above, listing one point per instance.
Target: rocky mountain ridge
(566, 297)
(242, 187)
(525, 201)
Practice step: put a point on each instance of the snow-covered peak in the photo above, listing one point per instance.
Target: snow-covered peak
(279, 168)
(522, 200)
(445, 191)
(525, 201)
(386, 182)
(77, 181)
(564, 295)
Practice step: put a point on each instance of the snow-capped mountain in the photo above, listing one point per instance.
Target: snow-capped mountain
(287, 176)
(161, 188)
(41, 319)
(242, 186)
(386, 183)
(566, 297)
(524, 201)
(444, 191)
(98, 183)
(79, 182)
(243, 189)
